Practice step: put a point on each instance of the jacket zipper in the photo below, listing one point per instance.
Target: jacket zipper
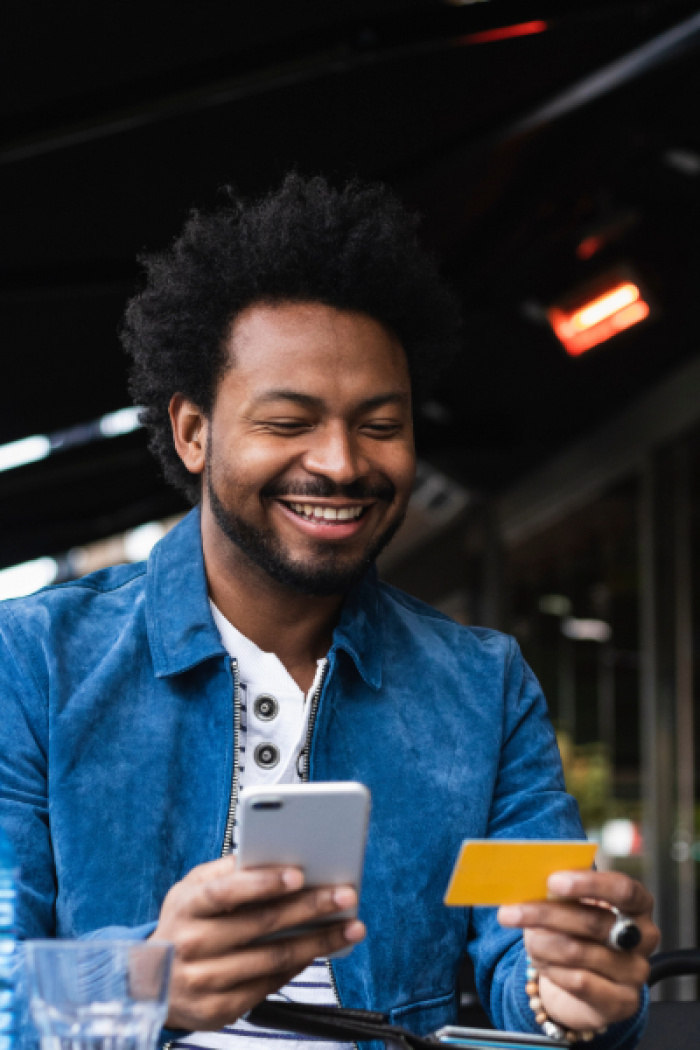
(304, 774)
(233, 800)
(305, 753)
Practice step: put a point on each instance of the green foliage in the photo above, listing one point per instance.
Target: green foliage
(588, 775)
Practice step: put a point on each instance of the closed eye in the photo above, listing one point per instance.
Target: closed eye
(285, 426)
(382, 428)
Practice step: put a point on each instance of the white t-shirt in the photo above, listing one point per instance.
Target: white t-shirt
(274, 724)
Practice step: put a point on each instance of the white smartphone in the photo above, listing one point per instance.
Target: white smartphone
(320, 828)
(486, 1039)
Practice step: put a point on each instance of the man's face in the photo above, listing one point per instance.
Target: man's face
(310, 458)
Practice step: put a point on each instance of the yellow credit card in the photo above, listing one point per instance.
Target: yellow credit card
(512, 871)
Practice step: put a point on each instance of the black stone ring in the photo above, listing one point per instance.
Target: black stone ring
(624, 934)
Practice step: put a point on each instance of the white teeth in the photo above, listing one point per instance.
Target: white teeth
(327, 513)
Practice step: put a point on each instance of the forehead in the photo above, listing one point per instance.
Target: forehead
(314, 345)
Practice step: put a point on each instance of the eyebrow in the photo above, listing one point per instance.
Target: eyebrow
(391, 397)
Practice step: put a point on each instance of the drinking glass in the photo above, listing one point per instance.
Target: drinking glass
(97, 995)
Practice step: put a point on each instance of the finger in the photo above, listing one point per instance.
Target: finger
(614, 1002)
(205, 938)
(584, 921)
(216, 1009)
(548, 949)
(581, 920)
(610, 886)
(222, 894)
(251, 993)
(295, 953)
(212, 869)
(290, 956)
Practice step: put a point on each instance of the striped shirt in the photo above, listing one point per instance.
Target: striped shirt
(274, 723)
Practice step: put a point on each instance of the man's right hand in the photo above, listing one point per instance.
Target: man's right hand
(213, 916)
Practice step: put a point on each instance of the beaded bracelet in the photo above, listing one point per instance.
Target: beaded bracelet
(549, 1027)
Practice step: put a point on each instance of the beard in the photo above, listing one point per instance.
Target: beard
(327, 573)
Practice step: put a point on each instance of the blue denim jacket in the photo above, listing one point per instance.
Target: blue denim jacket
(116, 753)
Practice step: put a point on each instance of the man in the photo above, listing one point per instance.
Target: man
(277, 347)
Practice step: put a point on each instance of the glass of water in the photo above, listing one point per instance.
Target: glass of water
(97, 995)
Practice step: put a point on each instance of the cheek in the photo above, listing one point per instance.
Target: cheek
(401, 468)
(248, 467)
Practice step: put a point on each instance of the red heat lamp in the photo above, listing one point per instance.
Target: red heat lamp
(592, 316)
(490, 36)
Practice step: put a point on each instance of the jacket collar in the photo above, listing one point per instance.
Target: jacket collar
(181, 629)
(359, 632)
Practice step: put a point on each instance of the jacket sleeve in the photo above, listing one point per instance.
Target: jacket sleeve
(529, 802)
(25, 812)
(24, 755)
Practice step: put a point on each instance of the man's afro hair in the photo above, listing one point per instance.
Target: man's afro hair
(353, 248)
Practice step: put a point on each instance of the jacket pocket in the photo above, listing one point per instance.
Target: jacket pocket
(427, 1015)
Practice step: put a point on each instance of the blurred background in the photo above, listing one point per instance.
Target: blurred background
(553, 151)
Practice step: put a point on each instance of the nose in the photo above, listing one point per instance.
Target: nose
(334, 453)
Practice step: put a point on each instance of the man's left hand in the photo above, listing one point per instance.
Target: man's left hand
(584, 983)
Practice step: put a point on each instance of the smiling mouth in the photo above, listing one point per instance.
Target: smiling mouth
(313, 512)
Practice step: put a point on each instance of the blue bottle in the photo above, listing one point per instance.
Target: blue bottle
(8, 876)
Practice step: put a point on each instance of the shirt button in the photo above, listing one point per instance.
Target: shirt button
(266, 755)
(266, 707)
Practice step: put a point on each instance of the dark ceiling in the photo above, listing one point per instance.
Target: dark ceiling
(118, 116)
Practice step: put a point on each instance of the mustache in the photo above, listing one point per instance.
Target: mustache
(324, 488)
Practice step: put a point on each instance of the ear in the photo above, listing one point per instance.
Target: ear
(190, 427)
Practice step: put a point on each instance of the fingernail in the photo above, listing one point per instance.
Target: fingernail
(344, 897)
(293, 879)
(510, 915)
(561, 883)
(354, 931)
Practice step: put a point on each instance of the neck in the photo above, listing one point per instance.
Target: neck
(297, 628)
